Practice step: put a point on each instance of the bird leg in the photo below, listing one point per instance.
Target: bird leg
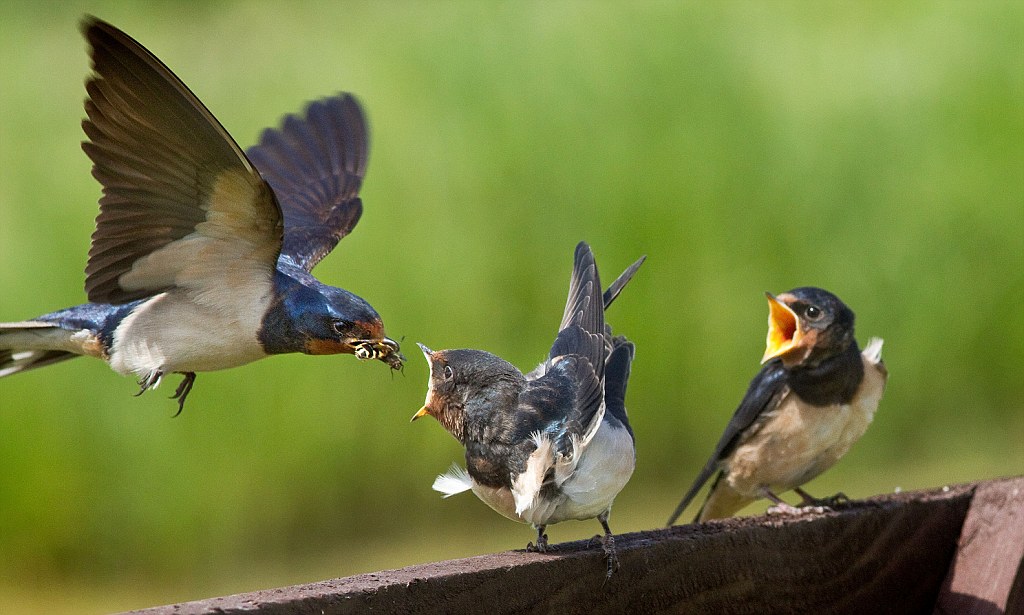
(781, 507)
(829, 502)
(150, 381)
(542, 542)
(608, 545)
(183, 390)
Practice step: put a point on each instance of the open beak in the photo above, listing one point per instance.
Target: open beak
(428, 354)
(784, 334)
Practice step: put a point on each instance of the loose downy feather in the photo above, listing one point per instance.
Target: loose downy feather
(873, 350)
(454, 481)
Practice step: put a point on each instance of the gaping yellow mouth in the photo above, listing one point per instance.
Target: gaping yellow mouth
(784, 332)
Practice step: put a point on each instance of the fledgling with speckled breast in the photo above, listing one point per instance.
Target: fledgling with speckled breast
(814, 397)
(553, 444)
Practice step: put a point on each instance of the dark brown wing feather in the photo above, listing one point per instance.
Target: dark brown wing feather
(158, 152)
(316, 166)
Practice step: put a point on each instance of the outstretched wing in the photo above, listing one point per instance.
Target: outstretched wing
(316, 166)
(581, 334)
(181, 204)
(765, 392)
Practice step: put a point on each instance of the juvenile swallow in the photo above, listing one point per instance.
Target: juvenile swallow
(814, 397)
(556, 443)
(201, 256)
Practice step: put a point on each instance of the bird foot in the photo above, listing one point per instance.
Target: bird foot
(542, 545)
(150, 381)
(610, 558)
(183, 390)
(783, 508)
(832, 501)
(608, 546)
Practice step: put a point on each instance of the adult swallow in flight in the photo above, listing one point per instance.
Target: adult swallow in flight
(814, 397)
(556, 443)
(201, 255)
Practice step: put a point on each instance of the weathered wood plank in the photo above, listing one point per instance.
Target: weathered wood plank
(888, 554)
(987, 574)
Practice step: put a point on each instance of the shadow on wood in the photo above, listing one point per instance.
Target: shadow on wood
(950, 550)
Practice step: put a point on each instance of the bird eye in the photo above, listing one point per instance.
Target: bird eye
(812, 312)
(340, 326)
(448, 373)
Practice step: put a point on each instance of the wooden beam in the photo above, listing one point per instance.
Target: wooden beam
(887, 554)
(987, 574)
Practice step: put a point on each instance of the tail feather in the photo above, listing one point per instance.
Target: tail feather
(620, 282)
(13, 362)
(616, 379)
(723, 501)
(33, 344)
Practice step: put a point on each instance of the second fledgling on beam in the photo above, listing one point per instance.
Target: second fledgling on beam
(814, 397)
(554, 444)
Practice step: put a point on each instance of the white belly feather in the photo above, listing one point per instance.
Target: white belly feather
(603, 469)
(172, 333)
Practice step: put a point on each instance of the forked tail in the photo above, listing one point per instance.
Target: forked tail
(31, 344)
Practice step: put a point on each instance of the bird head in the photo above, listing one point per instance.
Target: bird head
(348, 324)
(806, 325)
(314, 318)
(464, 378)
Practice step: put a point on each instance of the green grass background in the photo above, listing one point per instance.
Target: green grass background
(872, 148)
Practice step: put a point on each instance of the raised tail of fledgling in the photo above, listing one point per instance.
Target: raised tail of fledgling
(616, 378)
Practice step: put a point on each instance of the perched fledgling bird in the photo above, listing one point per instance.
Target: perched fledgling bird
(201, 256)
(556, 443)
(814, 397)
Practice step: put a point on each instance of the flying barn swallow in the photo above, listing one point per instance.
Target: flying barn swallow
(815, 396)
(554, 444)
(201, 256)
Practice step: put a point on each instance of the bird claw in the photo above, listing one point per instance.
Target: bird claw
(611, 559)
(542, 544)
(608, 546)
(150, 381)
(183, 390)
(153, 378)
(783, 508)
(832, 501)
(828, 503)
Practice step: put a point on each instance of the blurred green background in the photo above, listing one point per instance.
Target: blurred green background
(872, 148)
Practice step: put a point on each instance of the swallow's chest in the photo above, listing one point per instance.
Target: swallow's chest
(799, 441)
(172, 334)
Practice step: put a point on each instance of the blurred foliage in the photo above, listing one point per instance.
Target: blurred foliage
(871, 148)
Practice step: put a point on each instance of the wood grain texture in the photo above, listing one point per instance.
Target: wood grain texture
(888, 554)
(987, 574)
